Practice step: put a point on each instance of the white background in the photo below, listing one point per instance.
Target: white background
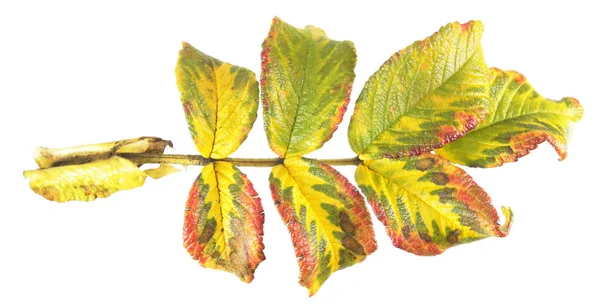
(74, 73)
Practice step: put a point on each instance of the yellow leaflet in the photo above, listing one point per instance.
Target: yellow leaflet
(85, 182)
(428, 204)
(224, 221)
(220, 101)
(93, 171)
(329, 224)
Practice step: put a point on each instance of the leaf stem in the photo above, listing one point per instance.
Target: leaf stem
(198, 160)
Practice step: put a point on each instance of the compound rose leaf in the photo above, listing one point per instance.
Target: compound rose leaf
(224, 219)
(428, 204)
(424, 96)
(306, 81)
(220, 101)
(326, 216)
(519, 119)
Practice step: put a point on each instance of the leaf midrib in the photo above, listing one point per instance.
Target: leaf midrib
(212, 147)
(479, 129)
(298, 99)
(331, 242)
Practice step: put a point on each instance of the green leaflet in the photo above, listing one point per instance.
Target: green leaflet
(306, 81)
(424, 96)
(220, 101)
(519, 119)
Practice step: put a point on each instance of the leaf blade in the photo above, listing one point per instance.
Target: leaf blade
(519, 119)
(220, 101)
(326, 217)
(424, 96)
(224, 219)
(85, 182)
(306, 81)
(427, 204)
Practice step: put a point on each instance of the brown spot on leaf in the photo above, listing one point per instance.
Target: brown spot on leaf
(238, 261)
(439, 178)
(345, 223)
(216, 254)
(188, 108)
(353, 245)
(446, 194)
(406, 232)
(425, 237)
(424, 164)
(452, 237)
(208, 232)
(49, 193)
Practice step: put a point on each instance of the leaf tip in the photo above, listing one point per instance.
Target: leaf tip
(469, 26)
(42, 157)
(184, 46)
(315, 32)
(248, 278)
(272, 31)
(311, 286)
(508, 218)
(574, 106)
(559, 147)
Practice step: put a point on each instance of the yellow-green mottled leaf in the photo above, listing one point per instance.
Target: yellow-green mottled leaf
(46, 157)
(428, 204)
(220, 101)
(305, 82)
(519, 119)
(224, 218)
(85, 182)
(424, 96)
(329, 224)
